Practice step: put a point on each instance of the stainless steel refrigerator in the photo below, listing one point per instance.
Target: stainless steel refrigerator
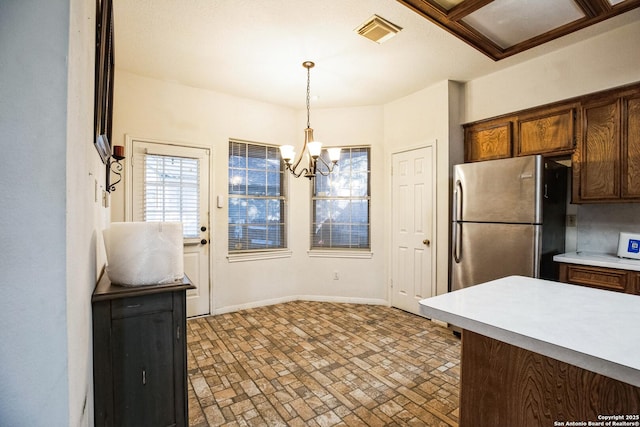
(508, 219)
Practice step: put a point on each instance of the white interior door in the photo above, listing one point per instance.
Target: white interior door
(171, 183)
(413, 239)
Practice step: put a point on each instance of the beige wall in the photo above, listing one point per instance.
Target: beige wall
(598, 63)
(50, 218)
(86, 217)
(428, 115)
(148, 108)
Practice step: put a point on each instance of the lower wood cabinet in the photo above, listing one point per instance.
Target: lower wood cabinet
(611, 279)
(139, 354)
(505, 385)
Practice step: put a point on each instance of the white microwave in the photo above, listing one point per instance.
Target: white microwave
(629, 245)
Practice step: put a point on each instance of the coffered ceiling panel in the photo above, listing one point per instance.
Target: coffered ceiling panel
(501, 28)
(508, 22)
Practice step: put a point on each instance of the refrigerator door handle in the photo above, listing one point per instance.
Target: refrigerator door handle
(457, 201)
(457, 242)
(457, 235)
(537, 250)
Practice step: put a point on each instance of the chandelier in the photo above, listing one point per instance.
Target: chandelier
(311, 149)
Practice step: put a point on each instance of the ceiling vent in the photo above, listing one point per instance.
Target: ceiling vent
(378, 29)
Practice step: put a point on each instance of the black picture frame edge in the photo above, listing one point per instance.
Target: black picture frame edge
(104, 71)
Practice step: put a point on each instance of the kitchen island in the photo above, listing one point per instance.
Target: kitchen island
(541, 353)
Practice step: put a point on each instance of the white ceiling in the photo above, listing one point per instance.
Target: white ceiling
(255, 49)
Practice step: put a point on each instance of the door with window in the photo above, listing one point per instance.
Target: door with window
(171, 183)
(413, 245)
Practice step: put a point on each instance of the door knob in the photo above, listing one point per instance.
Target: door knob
(426, 242)
(203, 241)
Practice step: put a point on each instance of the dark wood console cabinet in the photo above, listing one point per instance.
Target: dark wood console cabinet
(139, 354)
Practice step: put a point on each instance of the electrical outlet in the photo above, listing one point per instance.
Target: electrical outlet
(571, 220)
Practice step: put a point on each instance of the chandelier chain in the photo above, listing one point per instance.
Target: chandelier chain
(308, 95)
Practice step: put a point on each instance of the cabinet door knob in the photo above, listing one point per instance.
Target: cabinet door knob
(426, 242)
(203, 241)
(203, 228)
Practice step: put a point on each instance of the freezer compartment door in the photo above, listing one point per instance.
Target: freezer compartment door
(505, 190)
(484, 252)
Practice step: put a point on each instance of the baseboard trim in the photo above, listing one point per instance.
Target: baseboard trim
(316, 298)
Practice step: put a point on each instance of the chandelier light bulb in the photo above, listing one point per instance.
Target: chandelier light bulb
(334, 154)
(287, 153)
(314, 147)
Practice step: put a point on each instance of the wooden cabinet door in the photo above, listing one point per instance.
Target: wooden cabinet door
(598, 277)
(143, 370)
(599, 152)
(548, 132)
(487, 141)
(609, 279)
(631, 149)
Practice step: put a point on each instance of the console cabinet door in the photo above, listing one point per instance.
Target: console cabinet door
(143, 370)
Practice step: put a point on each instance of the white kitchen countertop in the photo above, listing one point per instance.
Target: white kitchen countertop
(590, 328)
(598, 260)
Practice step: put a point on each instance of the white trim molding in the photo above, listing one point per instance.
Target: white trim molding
(336, 253)
(254, 256)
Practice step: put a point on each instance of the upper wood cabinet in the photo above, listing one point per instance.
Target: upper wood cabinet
(631, 147)
(606, 164)
(601, 131)
(547, 131)
(599, 153)
(488, 140)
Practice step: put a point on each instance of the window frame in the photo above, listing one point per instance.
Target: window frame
(268, 252)
(342, 252)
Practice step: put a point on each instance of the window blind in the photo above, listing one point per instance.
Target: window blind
(171, 191)
(341, 203)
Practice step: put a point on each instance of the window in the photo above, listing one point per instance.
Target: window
(171, 188)
(257, 198)
(340, 203)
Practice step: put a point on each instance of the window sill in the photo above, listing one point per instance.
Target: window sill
(255, 256)
(337, 253)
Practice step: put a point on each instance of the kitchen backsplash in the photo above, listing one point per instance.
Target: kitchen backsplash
(598, 225)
